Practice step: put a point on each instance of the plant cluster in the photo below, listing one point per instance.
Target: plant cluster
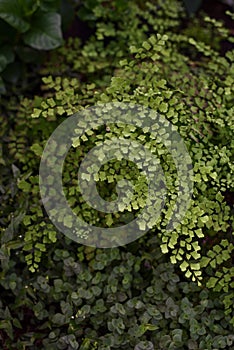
(165, 290)
(27, 28)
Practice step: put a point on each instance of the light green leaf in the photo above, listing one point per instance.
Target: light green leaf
(37, 149)
(151, 327)
(204, 219)
(36, 113)
(184, 265)
(212, 282)
(164, 248)
(146, 45)
(68, 221)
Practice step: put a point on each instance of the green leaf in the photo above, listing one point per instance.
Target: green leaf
(199, 233)
(212, 282)
(7, 327)
(3, 253)
(85, 344)
(184, 265)
(58, 319)
(12, 12)
(177, 335)
(40, 246)
(45, 33)
(205, 261)
(188, 274)
(173, 240)
(146, 45)
(163, 107)
(52, 236)
(24, 186)
(2, 87)
(204, 219)
(37, 149)
(151, 327)
(27, 54)
(36, 113)
(14, 244)
(50, 5)
(7, 235)
(120, 309)
(164, 248)
(68, 221)
(192, 6)
(6, 56)
(13, 72)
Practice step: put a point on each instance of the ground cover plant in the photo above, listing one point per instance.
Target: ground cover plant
(27, 30)
(163, 291)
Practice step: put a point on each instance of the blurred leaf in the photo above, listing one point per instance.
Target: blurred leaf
(45, 33)
(2, 86)
(6, 57)
(28, 54)
(13, 72)
(192, 6)
(12, 12)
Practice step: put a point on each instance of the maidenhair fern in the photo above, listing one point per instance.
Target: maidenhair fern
(183, 79)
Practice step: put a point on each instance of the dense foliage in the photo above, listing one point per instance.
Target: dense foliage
(163, 291)
(30, 26)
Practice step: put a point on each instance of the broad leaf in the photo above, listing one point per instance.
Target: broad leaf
(28, 54)
(6, 57)
(6, 28)
(12, 12)
(45, 33)
(50, 5)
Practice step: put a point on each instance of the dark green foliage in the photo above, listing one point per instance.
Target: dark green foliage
(192, 6)
(25, 28)
(163, 291)
(117, 298)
